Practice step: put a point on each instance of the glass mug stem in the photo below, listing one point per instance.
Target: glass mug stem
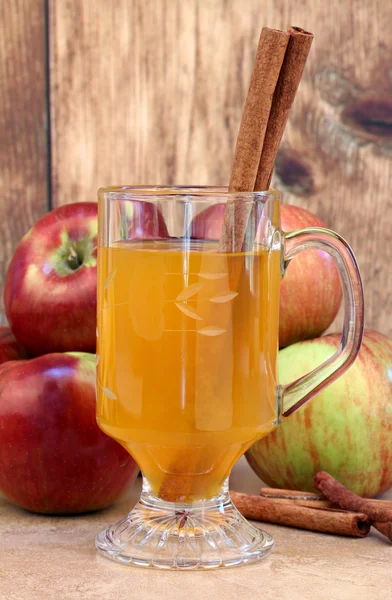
(171, 535)
(294, 395)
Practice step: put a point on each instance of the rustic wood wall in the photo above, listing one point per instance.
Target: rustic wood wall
(23, 124)
(151, 91)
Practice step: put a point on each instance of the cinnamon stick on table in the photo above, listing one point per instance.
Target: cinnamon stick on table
(295, 497)
(337, 493)
(311, 497)
(384, 528)
(298, 502)
(267, 492)
(312, 500)
(314, 519)
(342, 497)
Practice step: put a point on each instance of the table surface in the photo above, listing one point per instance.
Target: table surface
(51, 557)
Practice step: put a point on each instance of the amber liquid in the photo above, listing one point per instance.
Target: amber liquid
(187, 358)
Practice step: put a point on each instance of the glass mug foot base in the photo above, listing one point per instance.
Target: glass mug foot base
(204, 535)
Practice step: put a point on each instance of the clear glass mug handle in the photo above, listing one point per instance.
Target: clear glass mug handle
(294, 395)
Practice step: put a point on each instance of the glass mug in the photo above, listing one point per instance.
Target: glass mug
(187, 361)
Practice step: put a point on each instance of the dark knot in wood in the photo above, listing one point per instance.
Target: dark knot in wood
(371, 116)
(294, 172)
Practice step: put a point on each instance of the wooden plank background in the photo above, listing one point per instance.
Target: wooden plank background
(23, 131)
(151, 91)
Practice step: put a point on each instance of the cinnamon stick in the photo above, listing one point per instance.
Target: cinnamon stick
(283, 494)
(384, 528)
(177, 486)
(314, 519)
(258, 107)
(342, 497)
(267, 69)
(294, 494)
(296, 497)
(269, 59)
(310, 499)
(300, 502)
(255, 117)
(290, 76)
(268, 62)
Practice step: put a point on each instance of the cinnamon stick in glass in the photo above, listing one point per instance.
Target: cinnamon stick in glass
(289, 79)
(268, 62)
(255, 117)
(269, 59)
(246, 166)
(338, 522)
(244, 178)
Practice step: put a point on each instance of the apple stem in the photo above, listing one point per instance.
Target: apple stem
(73, 259)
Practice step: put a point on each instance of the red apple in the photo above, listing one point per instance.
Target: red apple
(145, 220)
(51, 284)
(54, 459)
(346, 429)
(310, 294)
(207, 224)
(50, 288)
(10, 349)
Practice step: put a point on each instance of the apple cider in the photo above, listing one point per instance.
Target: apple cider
(187, 357)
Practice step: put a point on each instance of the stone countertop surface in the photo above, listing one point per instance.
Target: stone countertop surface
(54, 558)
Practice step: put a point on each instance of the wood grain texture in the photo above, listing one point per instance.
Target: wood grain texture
(142, 91)
(23, 153)
(151, 91)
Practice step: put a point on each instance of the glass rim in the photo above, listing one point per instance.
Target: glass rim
(192, 192)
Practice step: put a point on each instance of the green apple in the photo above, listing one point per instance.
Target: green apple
(346, 429)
